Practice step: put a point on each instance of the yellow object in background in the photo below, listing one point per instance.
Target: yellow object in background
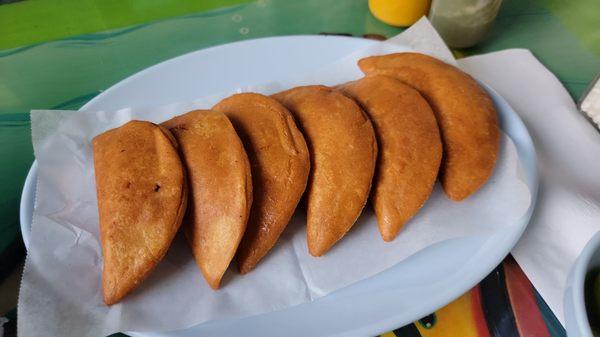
(399, 12)
(455, 319)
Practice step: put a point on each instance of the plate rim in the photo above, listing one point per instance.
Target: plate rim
(525, 147)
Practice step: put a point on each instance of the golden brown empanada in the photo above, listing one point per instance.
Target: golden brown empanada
(280, 165)
(142, 197)
(465, 114)
(343, 152)
(410, 148)
(220, 189)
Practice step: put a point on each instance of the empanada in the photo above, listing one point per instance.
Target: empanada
(465, 114)
(220, 189)
(280, 165)
(410, 148)
(142, 197)
(343, 152)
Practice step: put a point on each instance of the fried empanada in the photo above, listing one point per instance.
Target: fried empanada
(142, 197)
(220, 188)
(343, 152)
(410, 148)
(465, 114)
(280, 165)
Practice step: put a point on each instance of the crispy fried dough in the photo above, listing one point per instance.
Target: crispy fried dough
(410, 148)
(142, 196)
(343, 152)
(464, 112)
(220, 188)
(280, 166)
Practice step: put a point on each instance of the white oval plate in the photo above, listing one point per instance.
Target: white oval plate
(404, 293)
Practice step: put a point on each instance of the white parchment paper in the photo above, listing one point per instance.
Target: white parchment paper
(567, 213)
(61, 289)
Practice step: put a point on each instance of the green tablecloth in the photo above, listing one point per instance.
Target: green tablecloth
(123, 37)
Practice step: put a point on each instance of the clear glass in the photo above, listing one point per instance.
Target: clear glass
(463, 23)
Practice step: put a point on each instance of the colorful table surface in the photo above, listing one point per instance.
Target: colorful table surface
(58, 54)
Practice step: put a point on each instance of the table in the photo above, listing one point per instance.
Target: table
(60, 54)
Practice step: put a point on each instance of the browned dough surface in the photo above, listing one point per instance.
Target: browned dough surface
(142, 196)
(410, 148)
(220, 189)
(343, 152)
(465, 114)
(280, 166)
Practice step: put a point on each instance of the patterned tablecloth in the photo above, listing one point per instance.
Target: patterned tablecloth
(60, 54)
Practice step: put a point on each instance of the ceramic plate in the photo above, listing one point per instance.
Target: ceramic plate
(404, 293)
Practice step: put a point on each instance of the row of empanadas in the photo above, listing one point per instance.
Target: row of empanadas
(248, 161)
